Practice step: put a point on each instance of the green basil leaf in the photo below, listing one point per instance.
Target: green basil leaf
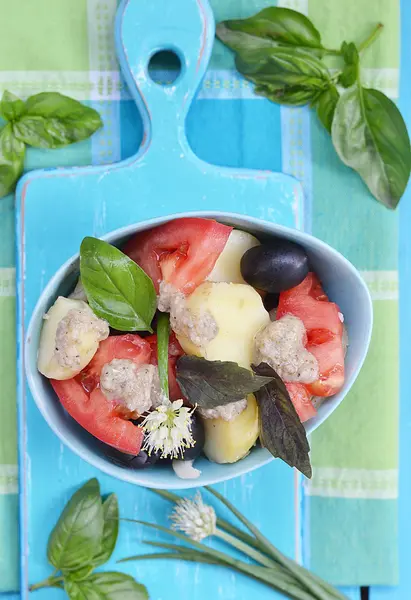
(281, 430)
(117, 289)
(79, 574)
(11, 107)
(163, 336)
(285, 75)
(239, 41)
(214, 383)
(110, 530)
(12, 153)
(76, 538)
(52, 120)
(275, 24)
(106, 586)
(370, 136)
(325, 106)
(351, 57)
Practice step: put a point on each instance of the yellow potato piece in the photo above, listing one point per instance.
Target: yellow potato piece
(229, 441)
(47, 362)
(239, 313)
(227, 267)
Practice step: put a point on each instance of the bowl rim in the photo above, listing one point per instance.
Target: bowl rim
(133, 476)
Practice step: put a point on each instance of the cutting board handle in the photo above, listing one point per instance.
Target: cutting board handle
(146, 27)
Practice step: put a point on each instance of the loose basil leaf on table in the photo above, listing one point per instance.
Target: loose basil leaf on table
(163, 336)
(274, 24)
(117, 289)
(350, 71)
(370, 136)
(210, 383)
(107, 586)
(79, 574)
(325, 106)
(281, 430)
(77, 536)
(285, 75)
(111, 518)
(11, 107)
(51, 120)
(12, 153)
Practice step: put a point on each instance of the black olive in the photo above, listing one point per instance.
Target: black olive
(276, 266)
(128, 461)
(197, 429)
(271, 301)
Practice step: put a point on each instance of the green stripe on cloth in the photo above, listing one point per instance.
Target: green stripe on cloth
(351, 503)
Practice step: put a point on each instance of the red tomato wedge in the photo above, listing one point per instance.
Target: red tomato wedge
(301, 400)
(98, 416)
(309, 303)
(130, 346)
(182, 252)
(174, 352)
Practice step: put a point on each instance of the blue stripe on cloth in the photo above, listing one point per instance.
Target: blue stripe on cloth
(345, 559)
(296, 154)
(9, 547)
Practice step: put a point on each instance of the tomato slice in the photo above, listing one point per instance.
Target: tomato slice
(130, 346)
(98, 416)
(330, 357)
(301, 399)
(174, 353)
(181, 252)
(321, 318)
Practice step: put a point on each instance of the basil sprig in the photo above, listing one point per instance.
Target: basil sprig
(84, 538)
(117, 289)
(281, 52)
(212, 383)
(45, 120)
(281, 430)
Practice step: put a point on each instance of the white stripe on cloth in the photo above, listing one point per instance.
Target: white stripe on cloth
(106, 84)
(383, 285)
(8, 479)
(7, 281)
(335, 482)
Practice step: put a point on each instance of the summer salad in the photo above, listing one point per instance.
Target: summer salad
(195, 338)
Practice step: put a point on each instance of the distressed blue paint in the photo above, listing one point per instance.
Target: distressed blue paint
(62, 206)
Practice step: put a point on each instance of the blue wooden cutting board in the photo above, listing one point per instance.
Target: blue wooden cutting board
(57, 208)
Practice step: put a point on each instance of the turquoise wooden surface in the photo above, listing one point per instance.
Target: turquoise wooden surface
(56, 208)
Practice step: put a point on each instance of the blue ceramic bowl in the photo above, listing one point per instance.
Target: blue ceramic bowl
(342, 283)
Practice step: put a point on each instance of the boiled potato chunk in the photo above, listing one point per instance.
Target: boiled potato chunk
(47, 362)
(229, 441)
(227, 267)
(239, 313)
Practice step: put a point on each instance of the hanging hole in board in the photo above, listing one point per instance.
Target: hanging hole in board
(164, 67)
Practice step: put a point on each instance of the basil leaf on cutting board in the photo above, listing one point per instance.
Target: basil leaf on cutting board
(51, 120)
(325, 106)
(285, 75)
(12, 153)
(111, 518)
(117, 289)
(106, 586)
(77, 536)
(210, 383)
(163, 336)
(11, 107)
(273, 25)
(281, 430)
(370, 136)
